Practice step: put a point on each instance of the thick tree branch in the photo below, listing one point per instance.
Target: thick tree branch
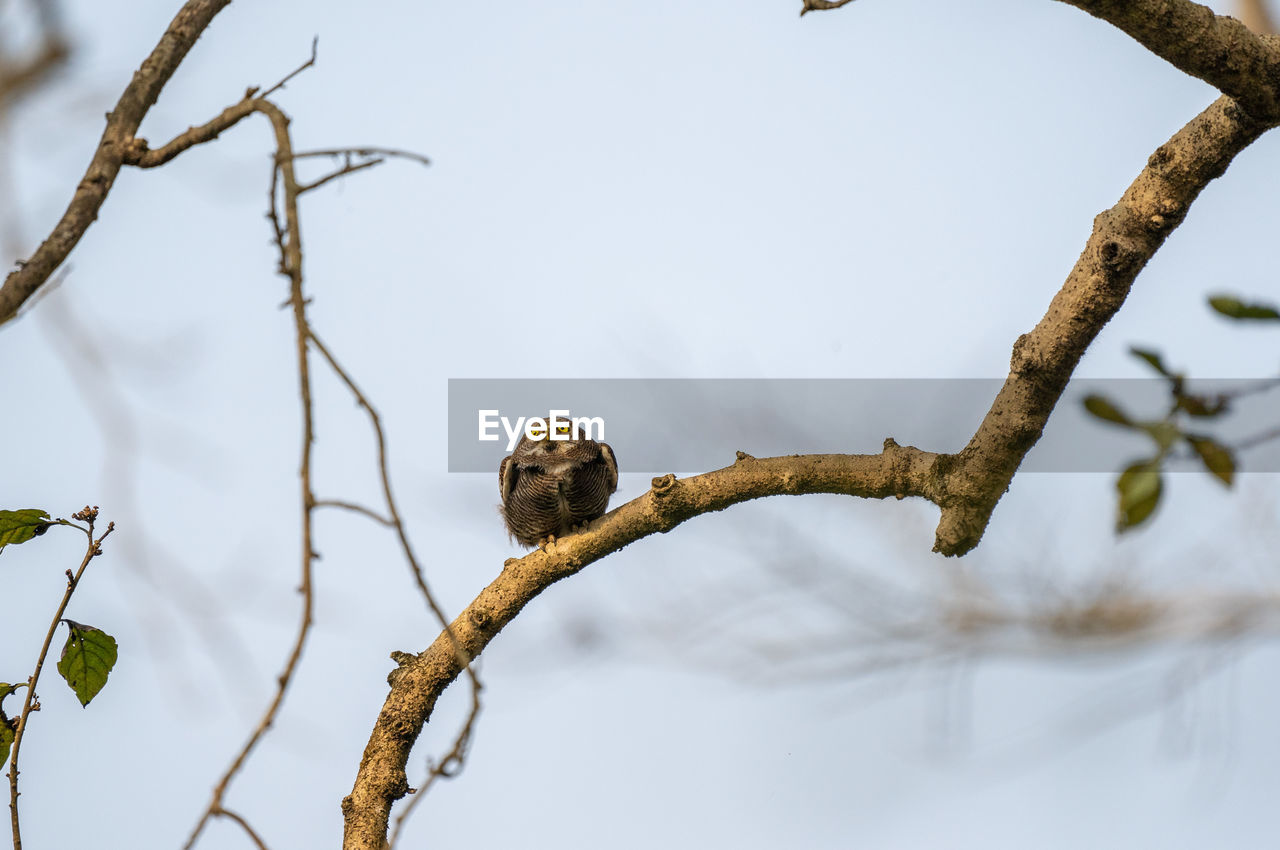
(966, 486)
(1218, 49)
(116, 143)
(1124, 238)
(898, 471)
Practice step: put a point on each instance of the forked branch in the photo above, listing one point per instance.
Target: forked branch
(966, 486)
(117, 139)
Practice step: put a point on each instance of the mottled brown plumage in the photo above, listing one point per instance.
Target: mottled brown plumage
(549, 487)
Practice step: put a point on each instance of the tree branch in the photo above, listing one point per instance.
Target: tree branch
(898, 471)
(137, 153)
(117, 140)
(1124, 238)
(966, 486)
(289, 241)
(1218, 49)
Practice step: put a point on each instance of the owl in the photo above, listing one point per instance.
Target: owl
(551, 486)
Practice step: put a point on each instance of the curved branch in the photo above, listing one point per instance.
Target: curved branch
(966, 486)
(1218, 49)
(1124, 238)
(897, 471)
(117, 140)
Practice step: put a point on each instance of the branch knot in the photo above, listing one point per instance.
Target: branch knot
(663, 485)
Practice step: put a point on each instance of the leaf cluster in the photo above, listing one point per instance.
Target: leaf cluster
(1141, 484)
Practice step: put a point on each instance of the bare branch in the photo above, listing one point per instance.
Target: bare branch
(244, 824)
(284, 186)
(966, 486)
(1258, 439)
(349, 168)
(353, 507)
(897, 471)
(315, 43)
(822, 5)
(390, 152)
(289, 239)
(139, 155)
(1218, 49)
(453, 761)
(117, 139)
(1124, 238)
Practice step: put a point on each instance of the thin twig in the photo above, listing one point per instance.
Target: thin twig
(390, 152)
(346, 169)
(315, 43)
(1257, 439)
(138, 154)
(419, 576)
(289, 240)
(253, 836)
(277, 231)
(454, 759)
(1265, 385)
(30, 702)
(352, 506)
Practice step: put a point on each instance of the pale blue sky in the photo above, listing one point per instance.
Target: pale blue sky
(715, 189)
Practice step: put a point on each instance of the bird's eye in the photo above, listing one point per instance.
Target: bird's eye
(537, 433)
(562, 429)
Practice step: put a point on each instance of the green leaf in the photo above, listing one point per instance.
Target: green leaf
(21, 526)
(1164, 432)
(1216, 457)
(1234, 308)
(87, 658)
(1152, 358)
(1105, 410)
(7, 729)
(6, 738)
(1204, 407)
(1139, 487)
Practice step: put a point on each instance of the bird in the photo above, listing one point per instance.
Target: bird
(550, 487)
